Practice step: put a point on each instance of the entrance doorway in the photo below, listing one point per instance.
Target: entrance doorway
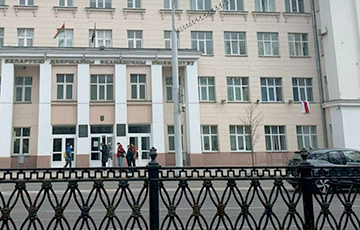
(142, 143)
(95, 156)
(59, 147)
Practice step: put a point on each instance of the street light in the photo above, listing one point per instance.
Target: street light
(176, 90)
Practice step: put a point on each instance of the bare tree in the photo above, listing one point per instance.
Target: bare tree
(253, 119)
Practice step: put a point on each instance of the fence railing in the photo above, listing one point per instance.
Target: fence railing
(155, 197)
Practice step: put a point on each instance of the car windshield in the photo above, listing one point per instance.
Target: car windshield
(352, 156)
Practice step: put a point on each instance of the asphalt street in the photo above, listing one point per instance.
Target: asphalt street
(183, 208)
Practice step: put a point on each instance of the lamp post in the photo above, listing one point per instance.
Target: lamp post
(176, 89)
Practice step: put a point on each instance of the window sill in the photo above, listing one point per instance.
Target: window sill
(4, 8)
(134, 11)
(100, 103)
(63, 102)
(139, 102)
(292, 56)
(273, 56)
(208, 102)
(93, 9)
(19, 7)
(238, 102)
(290, 14)
(208, 152)
(277, 151)
(247, 151)
(273, 102)
(259, 13)
(298, 102)
(22, 102)
(236, 55)
(20, 154)
(168, 11)
(65, 8)
(207, 55)
(203, 12)
(233, 12)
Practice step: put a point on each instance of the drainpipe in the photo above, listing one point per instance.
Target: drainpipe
(319, 73)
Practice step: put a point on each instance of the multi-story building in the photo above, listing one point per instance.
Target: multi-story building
(107, 78)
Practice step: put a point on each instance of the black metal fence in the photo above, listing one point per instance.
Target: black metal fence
(155, 197)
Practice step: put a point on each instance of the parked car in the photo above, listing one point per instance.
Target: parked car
(327, 158)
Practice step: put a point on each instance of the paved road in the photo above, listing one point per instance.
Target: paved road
(183, 210)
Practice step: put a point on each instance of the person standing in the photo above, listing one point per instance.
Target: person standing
(120, 154)
(130, 156)
(68, 156)
(133, 147)
(104, 154)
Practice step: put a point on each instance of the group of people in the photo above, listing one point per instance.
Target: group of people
(130, 155)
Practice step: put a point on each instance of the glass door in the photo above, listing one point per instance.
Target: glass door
(142, 143)
(95, 156)
(59, 147)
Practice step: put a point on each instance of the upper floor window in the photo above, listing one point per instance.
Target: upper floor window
(271, 89)
(66, 2)
(294, 6)
(238, 88)
(209, 139)
(306, 137)
(25, 37)
(26, 2)
(167, 39)
(99, 38)
(298, 45)
(134, 3)
(302, 89)
(200, 4)
(100, 3)
(265, 5)
(102, 87)
(21, 140)
(138, 86)
(2, 2)
(233, 5)
(65, 85)
(65, 38)
(134, 38)
(168, 4)
(275, 138)
(202, 41)
(235, 43)
(268, 44)
(23, 87)
(169, 84)
(1, 37)
(240, 138)
(207, 88)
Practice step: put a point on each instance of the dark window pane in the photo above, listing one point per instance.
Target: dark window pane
(139, 129)
(101, 129)
(64, 130)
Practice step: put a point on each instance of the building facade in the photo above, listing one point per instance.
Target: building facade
(107, 78)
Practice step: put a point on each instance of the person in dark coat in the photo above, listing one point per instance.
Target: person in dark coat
(104, 154)
(130, 156)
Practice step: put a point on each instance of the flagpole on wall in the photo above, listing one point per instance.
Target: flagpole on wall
(176, 90)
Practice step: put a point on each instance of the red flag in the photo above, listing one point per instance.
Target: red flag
(305, 107)
(62, 29)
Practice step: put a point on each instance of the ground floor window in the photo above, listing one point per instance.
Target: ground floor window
(171, 138)
(275, 138)
(240, 138)
(209, 138)
(21, 141)
(306, 137)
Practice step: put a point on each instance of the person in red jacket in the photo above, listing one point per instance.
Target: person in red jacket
(120, 154)
(135, 152)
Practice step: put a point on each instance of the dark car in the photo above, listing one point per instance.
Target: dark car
(327, 158)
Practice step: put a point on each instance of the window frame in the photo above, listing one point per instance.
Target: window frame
(208, 87)
(278, 136)
(104, 39)
(26, 3)
(168, 39)
(245, 135)
(23, 88)
(26, 38)
(66, 3)
(169, 2)
(65, 86)
(138, 86)
(305, 87)
(301, 136)
(290, 9)
(210, 135)
(63, 36)
(274, 88)
(293, 43)
(260, 4)
(194, 5)
(238, 42)
(207, 50)
(21, 139)
(106, 4)
(134, 39)
(172, 136)
(227, 7)
(2, 2)
(233, 88)
(132, 4)
(263, 42)
(98, 85)
(2, 37)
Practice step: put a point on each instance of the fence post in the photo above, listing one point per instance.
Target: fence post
(307, 190)
(153, 170)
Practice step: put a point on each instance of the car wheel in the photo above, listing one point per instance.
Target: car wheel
(322, 186)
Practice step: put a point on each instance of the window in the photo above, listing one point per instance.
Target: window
(233, 5)
(306, 137)
(23, 89)
(298, 45)
(65, 38)
(169, 84)
(240, 138)
(302, 89)
(2, 2)
(171, 135)
(25, 37)
(66, 2)
(139, 129)
(268, 44)
(200, 4)
(134, 38)
(94, 129)
(102, 38)
(294, 6)
(26, 2)
(100, 3)
(202, 41)
(206, 89)
(209, 139)
(265, 5)
(271, 89)
(63, 130)
(168, 4)
(134, 3)
(238, 88)
(235, 43)
(138, 86)
(275, 138)
(102, 87)
(352, 156)
(65, 84)
(167, 39)
(21, 140)
(1, 36)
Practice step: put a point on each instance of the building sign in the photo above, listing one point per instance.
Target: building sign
(169, 63)
(121, 62)
(25, 61)
(72, 61)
